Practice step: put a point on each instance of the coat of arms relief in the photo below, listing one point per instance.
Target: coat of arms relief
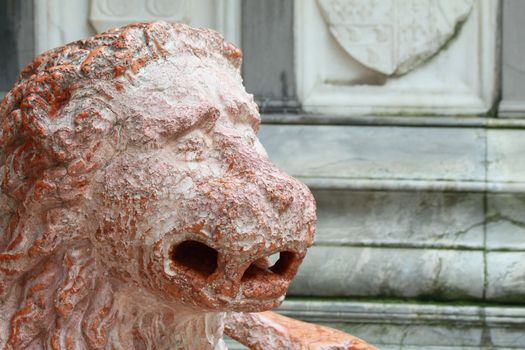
(393, 37)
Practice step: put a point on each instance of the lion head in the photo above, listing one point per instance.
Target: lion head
(133, 185)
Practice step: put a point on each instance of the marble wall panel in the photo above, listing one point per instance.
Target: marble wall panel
(506, 276)
(392, 153)
(505, 222)
(411, 219)
(384, 272)
(505, 150)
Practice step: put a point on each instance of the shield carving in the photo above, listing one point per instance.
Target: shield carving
(394, 36)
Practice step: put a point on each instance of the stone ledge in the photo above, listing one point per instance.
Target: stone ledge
(403, 313)
(417, 347)
(410, 326)
(233, 345)
(429, 245)
(424, 274)
(510, 121)
(394, 273)
(335, 183)
(400, 157)
(511, 109)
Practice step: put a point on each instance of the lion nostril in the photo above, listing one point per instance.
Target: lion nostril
(275, 264)
(283, 265)
(196, 257)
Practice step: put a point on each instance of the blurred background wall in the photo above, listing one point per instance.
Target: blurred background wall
(405, 118)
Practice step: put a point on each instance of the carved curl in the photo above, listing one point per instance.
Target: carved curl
(47, 159)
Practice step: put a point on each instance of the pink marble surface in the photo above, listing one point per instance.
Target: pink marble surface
(137, 206)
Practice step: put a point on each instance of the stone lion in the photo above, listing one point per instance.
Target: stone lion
(137, 205)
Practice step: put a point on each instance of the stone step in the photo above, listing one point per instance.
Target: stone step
(428, 212)
(431, 245)
(418, 158)
(417, 325)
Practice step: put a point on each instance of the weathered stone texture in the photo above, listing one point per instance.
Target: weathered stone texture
(137, 203)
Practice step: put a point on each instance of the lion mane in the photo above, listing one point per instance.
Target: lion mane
(47, 158)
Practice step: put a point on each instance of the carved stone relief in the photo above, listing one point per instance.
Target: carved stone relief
(58, 22)
(107, 14)
(393, 36)
(352, 56)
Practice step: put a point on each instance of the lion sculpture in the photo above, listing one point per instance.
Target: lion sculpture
(138, 208)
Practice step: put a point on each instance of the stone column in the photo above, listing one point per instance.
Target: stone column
(513, 68)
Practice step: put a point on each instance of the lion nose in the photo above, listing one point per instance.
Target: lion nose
(195, 259)
(263, 277)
